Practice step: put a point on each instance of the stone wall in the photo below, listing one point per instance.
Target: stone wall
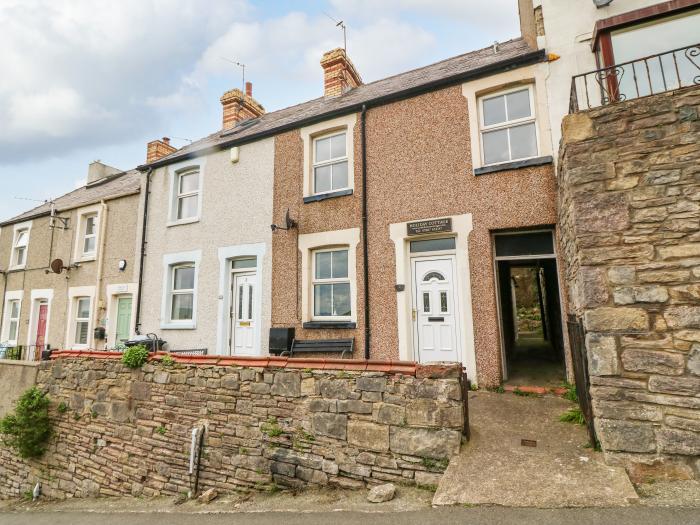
(129, 431)
(15, 378)
(629, 200)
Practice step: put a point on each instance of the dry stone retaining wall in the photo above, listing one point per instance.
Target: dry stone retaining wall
(629, 214)
(129, 431)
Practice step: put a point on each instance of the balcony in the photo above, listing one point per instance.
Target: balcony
(635, 79)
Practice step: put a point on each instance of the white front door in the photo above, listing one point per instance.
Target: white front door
(242, 313)
(434, 309)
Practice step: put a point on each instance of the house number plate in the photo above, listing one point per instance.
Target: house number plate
(431, 226)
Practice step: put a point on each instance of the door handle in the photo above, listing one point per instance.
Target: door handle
(436, 319)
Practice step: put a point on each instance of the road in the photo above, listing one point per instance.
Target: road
(445, 516)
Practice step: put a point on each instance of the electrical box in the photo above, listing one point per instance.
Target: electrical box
(235, 154)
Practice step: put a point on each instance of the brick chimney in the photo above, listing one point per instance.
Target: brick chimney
(339, 73)
(158, 149)
(238, 106)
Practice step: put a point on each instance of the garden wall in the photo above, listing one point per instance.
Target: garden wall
(629, 221)
(269, 422)
(15, 378)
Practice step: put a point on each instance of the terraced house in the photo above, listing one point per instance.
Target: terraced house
(68, 267)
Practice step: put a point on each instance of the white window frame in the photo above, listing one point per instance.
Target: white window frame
(11, 297)
(94, 235)
(81, 320)
(332, 280)
(330, 162)
(179, 291)
(532, 119)
(325, 241)
(170, 262)
(74, 294)
(176, 171)
(79, 253)
(22, 227)
(319, 130)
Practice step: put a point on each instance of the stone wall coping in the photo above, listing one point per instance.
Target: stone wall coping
(15, 362)
(357, 365)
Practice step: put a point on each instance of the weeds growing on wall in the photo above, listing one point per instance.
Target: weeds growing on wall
(28, 428)
(573, 415)
(135, 356)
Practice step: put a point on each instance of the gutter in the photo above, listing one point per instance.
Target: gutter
(137, 324)
(104, 210)
(365, 241)
(513, 63)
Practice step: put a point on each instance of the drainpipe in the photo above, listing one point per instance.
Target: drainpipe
(2, 305)
(365, 243)
(147, 191)
(104, 209)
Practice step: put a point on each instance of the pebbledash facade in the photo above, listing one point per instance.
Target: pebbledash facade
(69, 271)
(451, 168)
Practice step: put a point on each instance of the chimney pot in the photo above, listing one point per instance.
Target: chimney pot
(166, 140)
(249, 89)
(339, 73)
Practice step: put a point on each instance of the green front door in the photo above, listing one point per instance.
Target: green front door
(123, 319)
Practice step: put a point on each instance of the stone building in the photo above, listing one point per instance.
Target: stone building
(92, 232)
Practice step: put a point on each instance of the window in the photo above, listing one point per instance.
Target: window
(330, 163)
(90, 234)
(82, 320)
(331, 284)
(187, 195)
(433, 245)
(19, 247)
(13, 309)
(508, 128)
(243, 263)
(182, 293)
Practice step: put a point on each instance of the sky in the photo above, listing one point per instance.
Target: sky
(86, 80)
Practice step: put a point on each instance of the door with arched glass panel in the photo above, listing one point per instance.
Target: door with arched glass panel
(242, 312)
(434, 309)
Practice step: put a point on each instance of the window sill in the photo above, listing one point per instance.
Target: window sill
(318, 325)
(180, 223)
(329, 195)
(17, 268)
(86, 258)
(178, 326)
(516, 164)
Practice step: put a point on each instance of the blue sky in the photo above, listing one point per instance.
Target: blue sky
(96, 80)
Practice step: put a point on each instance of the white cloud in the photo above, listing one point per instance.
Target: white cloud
(81, 72)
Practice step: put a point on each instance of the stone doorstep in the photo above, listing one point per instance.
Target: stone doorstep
(539, 390)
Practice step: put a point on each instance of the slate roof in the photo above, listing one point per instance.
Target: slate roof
(112, 187)
(475, 63)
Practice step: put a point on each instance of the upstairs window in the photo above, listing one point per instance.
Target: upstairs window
(19, 247)
(182, 293)
(331, 284)
(508, 127)
(82, 320)
(90, 235)
(187, 195)
(330, 163)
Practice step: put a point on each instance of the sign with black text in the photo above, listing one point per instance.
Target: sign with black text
(430, 226)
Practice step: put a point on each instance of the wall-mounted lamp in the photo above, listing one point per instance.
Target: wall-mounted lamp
(602, 3)
(122, 265)
(288, 221)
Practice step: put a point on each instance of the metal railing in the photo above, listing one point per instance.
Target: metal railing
(635, 79)
(23, 352)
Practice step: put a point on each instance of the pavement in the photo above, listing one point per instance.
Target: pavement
(494, 468)
(443, 516)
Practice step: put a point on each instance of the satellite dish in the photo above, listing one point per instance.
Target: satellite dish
(57, 266)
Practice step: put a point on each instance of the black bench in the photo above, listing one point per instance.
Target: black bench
(341, 346)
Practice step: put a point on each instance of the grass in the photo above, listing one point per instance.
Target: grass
(498, 390)
(435, 464)
(271, 428)
(522, 393)
(570, 393)
(573, 415)
(161, 430)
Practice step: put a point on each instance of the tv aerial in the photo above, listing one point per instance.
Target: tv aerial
(340, 24)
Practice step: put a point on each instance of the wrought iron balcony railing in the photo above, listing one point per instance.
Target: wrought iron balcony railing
(638, 78)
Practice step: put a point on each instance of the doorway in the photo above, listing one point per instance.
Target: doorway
(435, 314)
(242, 322)
(530, 310)
(123, 330)
(43, 314)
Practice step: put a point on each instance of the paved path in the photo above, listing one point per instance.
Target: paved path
(443, 516)
(495, 469)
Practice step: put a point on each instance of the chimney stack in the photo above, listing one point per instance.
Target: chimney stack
(339, 73)
(158, 149)
(238, 106)
(98, 171)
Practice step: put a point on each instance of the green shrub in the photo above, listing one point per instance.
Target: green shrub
(573, 415)
(28, 428)
(13, 353)
(135, 356)
(167, 360)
